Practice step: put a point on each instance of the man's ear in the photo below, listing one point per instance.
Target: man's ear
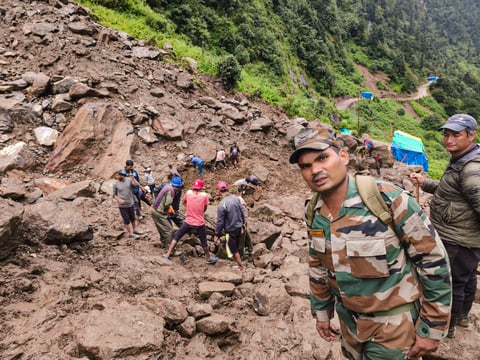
(345, 156)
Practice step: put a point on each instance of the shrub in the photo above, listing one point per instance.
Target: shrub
(229, 70)
(431, 122)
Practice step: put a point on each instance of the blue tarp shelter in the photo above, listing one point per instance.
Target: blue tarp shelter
(409, 149)
(367, 95)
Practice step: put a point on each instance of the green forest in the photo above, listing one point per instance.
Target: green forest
(300, 55)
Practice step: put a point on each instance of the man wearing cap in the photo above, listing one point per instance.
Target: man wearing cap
(390, 284)
(149, 179)
(123, 194)
(163, 207)
(196, 202)
(138, 189)
(455, 211)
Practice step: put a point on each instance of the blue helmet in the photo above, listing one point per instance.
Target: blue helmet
(177, 182)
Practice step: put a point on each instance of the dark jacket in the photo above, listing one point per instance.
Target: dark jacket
(455, 206)
(229, 215)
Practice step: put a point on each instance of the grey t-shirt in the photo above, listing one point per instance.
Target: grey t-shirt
(123, 189)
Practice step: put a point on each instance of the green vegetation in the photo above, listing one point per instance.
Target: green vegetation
(299, 54)
(380, 118)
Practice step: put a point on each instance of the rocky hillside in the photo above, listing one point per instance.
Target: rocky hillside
(76, 101)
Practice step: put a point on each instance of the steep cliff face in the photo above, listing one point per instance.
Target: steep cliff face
(76, 101)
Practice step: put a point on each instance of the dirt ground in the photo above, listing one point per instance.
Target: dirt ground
(51, 294)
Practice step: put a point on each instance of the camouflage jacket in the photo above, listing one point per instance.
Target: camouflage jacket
(370, 268)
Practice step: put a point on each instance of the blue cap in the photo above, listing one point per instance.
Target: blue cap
(460, 122)
(177, 182)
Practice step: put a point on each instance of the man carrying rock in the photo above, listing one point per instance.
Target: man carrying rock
(389, 283)
(455, 211)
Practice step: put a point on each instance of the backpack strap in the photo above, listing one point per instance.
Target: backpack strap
(370, 195)
(368, 190)
(311, 209)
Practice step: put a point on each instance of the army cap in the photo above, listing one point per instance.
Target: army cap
(460, 122)
(315, 138)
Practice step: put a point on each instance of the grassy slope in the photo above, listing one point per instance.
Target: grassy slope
(379, 118)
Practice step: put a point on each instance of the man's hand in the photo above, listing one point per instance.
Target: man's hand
(423, 346)
(417, 179)
(216, 240)
(327, 331)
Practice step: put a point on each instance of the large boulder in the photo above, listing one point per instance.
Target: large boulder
(53, 221)
(96, 137)
(10, 226)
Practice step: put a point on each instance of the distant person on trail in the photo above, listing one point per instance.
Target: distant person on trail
(198, 163)
(173, 172)
(455, 211)
(369, 146)
(220, 159)
(234, 154)
(231, 221)
(250, 182)
(378, 164)
(138, 190)
(149, 179)
(122, 192)
(196, 202)
(388, 282)
(162, 208)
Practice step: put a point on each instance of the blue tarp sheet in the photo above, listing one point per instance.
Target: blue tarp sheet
(409, 149)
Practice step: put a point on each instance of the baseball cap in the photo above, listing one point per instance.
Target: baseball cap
(122, 172)
(221, 186)
(198, 184)
(148, 169)
(314, 138)
(460, 122)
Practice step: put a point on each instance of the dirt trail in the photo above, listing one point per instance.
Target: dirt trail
(371, 81)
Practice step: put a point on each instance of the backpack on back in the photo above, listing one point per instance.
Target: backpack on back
(368, 190)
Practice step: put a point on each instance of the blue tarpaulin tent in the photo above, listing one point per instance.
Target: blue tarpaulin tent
(367, 95)
(409, 149)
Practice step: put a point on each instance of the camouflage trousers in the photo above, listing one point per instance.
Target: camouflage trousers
(164, 227)
(374, 337)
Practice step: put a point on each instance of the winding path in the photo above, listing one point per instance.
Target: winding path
(371, 80)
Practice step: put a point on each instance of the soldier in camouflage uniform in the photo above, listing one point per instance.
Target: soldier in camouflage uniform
(390, 285)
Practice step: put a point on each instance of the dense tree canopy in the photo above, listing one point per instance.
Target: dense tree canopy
(407, 39)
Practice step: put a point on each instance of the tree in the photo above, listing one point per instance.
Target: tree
(229, 70)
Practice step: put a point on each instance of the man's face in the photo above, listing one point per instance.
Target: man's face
(128, 167)
(323, 171)
(457, 143)
(120, 177)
